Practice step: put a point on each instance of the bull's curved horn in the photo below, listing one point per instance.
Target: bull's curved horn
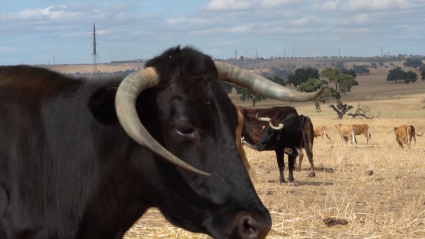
(276, 128)
(266, 119)
(261, 85)
(390, 130)
(125, 105)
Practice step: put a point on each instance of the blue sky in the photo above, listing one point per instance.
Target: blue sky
(44, 31)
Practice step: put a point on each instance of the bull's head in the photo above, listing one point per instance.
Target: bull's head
(195, 123)
(144, 79)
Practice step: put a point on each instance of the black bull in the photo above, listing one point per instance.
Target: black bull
(85, 158)
(262, 133)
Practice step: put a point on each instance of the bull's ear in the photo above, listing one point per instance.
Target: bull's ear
(102, 105)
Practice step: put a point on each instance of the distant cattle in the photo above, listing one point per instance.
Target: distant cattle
(320, 130)
(350, 131)
(402, 135)
(413, 133)
(86, 158)
(278, 129)
(307, 143)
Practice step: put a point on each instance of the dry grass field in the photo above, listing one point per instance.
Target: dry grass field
(378, 189)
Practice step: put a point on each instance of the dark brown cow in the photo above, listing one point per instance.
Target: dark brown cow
(307, 143)
(276, 128)
(413, 133)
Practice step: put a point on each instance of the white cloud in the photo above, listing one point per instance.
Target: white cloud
(366, 5)
(307, 20)
(327, 6)
(377, 5)
(240, 29)
(225, 5)
(7, 49)
(239, 5)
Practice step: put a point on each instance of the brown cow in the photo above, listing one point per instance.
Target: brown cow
(239, 145)
(413, 133)
(346, 131)
(307, 143)
(402, 134)
(320, 130)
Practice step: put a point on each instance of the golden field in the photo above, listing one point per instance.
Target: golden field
(390, 203)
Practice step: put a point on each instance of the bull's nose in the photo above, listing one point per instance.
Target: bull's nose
(254, 227)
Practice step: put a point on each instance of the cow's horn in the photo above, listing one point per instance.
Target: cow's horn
(276, 128)
(125, 105)
(261, 85)
(266, 119)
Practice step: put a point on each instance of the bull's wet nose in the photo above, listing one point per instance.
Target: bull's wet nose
(254, 227)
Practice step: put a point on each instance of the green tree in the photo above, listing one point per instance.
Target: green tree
(247, 94)
(413, 62)
(396, 74)
(312, 85)
(410, 76)
(422, 70)
(343, 82)
(226, 86)
(361, 69)
(302, 75)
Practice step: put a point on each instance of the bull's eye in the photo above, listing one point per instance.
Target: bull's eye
(185, 130)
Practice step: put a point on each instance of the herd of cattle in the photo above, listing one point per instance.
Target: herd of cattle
(86, 158)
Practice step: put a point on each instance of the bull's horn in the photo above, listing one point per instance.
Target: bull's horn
(390, 130)
(261, 85)
(276, 128)
(125, 105)
(266, 119)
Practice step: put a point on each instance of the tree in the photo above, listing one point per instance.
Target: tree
(410, 76)
(395, 74)
(422, 70)
(312, 85)
(227, 86)
(302, 75)
(343, 82)
(361, 69)
(280, 72)
(245, 94)
(413, 62)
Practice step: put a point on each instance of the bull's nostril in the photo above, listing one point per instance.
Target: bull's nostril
(249, 229)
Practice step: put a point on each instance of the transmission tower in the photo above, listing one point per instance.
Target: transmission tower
(94, 55)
